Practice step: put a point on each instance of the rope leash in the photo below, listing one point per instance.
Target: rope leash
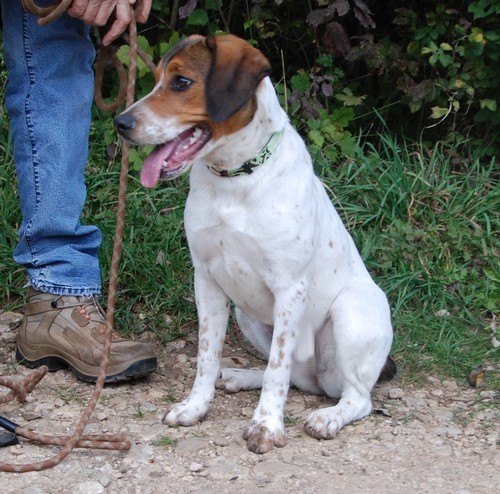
(46, 14)
(20, 390)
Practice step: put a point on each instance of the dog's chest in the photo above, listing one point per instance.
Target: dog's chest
(238, 264)
(262, 239)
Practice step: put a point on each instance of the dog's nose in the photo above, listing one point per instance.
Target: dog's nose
(124, 123)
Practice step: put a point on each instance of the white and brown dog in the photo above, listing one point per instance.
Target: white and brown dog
(264, 235)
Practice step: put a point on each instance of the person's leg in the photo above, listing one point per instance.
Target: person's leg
(49, 100)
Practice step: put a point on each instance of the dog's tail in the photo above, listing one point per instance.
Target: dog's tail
(389, 370)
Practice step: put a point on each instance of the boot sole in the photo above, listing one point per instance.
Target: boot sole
(138, 369)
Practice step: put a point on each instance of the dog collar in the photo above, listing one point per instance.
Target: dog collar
(249, 166)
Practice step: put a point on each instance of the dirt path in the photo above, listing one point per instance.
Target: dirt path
(438, 437)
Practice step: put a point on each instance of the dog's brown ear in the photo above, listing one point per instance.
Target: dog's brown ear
(236, 70)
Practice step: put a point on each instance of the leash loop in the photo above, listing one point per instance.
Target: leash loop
(20, 390)
(46, 14)
(108, 54)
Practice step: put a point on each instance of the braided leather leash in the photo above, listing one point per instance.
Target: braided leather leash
(20, 390)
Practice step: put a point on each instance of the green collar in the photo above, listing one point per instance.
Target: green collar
(249, 166)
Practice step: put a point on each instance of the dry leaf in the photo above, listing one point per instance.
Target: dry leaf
(477, 377)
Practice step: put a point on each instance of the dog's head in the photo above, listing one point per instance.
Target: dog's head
(205, 89)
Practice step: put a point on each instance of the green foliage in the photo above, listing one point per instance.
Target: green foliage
(429, 68)
(443, 62)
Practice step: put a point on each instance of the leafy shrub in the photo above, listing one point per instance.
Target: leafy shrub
(429, 68)
(442, 60)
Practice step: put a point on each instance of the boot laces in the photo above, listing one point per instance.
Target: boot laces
(90, 309)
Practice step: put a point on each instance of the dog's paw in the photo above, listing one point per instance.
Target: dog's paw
(261, 439)
(323, 424)
(184, 414)
(234, 380)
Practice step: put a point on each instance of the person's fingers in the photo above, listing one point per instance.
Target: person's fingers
(92, 12)
(123, 17)
(142, 10)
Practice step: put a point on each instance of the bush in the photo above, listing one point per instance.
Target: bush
(429, 68)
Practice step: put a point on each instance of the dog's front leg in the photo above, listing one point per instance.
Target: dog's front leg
(267, 429)
(213, 313)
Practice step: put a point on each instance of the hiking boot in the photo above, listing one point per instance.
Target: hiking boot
(68, 332)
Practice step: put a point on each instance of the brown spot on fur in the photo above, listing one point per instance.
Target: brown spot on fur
(204, 344)
(225, 72)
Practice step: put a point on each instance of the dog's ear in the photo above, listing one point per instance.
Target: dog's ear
(236, 70)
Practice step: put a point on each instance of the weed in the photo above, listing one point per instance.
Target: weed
(291, 419)
(169, 398)
(164, 441)
(68, 395)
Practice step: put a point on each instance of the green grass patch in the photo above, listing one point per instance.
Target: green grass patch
(427, 228)
(164, 441)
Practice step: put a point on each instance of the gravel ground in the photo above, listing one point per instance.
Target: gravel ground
(434, 437)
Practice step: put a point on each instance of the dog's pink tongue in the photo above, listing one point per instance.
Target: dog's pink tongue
(151, 169)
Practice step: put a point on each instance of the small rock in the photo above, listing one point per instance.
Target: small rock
(16, 450)
(442, 414)
(223, 440)
(487, 394)
(382, 392)
(141, 453)
(88, 487)
(176, 345)
(442, 313)
(147, 406)
(396, 393)
(195, 467)
(276, 469)
(450, 385)
(434, 380)
(10, 320)
(29, 416)
(191, 445)
(226, 470)
(34, 489)
(8, 337)
(470, 431)
(105, 480)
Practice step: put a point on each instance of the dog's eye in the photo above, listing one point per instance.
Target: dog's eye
(180, 83)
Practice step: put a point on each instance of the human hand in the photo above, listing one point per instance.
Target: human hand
(98, 12)
(142, 10)
(92, 12)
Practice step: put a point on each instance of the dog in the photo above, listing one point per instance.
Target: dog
(264, 236)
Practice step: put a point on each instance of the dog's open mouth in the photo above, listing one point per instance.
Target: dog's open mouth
(171, 159)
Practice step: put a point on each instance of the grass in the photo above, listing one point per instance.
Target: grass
(164, 441)
(68, 395)
(427, 228)
(426, 223)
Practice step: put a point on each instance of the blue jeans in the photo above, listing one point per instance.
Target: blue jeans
(49, 99)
